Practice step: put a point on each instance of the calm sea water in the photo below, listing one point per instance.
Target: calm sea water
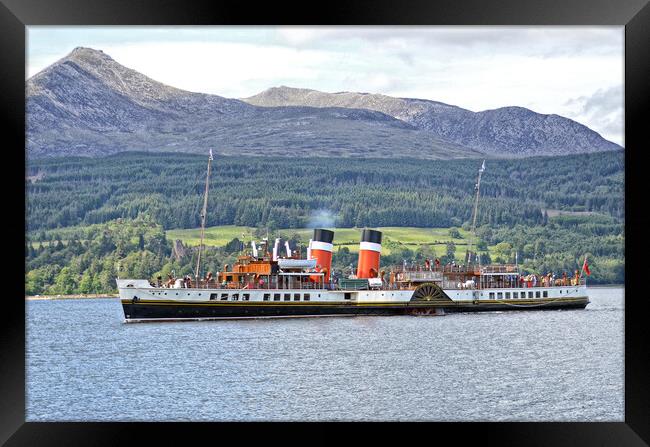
(84, 364)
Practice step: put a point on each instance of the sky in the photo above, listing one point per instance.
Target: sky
(575, 71)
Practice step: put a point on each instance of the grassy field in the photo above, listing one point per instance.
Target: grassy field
(393, 237)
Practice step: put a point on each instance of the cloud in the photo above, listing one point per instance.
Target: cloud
(534, 40)
(602, 110)
(222, 68)
(602, 101)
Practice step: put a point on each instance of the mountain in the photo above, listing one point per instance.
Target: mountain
(505, 131)
(88, 104)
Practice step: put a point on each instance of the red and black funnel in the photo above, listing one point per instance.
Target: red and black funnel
(321, 250)
(369, 254)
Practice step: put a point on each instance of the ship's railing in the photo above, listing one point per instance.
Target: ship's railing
(418, 276)
(404, 284)
(457, 268)
(449, 268)
(518, 283)
(505, 268)
(248, 285)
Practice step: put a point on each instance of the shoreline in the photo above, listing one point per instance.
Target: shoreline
(81, 296)
(78, 296)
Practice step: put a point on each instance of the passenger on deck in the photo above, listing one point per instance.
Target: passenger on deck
(469, 284)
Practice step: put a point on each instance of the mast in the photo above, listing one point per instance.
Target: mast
(478, 189)
(203, 215)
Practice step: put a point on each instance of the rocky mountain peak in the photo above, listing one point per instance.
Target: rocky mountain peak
(87, 55)
(87, 103)
(512, 130)
(85, 62)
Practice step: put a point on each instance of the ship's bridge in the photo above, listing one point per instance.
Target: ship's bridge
(498, 276)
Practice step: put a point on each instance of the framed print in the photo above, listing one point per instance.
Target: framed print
(424, 215)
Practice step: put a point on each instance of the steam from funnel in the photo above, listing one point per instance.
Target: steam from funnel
(254, 248)
(286, 246)
(321, 218)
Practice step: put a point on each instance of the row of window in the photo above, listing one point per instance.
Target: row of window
(287, 296)
(165, 293)
(267, 296)
(233, 297)
(515, 295)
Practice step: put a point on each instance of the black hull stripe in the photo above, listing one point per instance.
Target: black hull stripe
(155, 320)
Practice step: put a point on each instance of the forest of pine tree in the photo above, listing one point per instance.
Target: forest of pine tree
(282, 193)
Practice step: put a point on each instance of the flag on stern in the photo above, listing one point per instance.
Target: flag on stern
(585, 267)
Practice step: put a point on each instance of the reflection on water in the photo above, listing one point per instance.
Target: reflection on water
(85, 364)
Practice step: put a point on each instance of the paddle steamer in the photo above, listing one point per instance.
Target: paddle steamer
(263, 283)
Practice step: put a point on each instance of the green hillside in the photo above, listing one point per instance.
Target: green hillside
(90, 219)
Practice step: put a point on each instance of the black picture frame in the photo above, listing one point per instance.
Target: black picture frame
(15, 15)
